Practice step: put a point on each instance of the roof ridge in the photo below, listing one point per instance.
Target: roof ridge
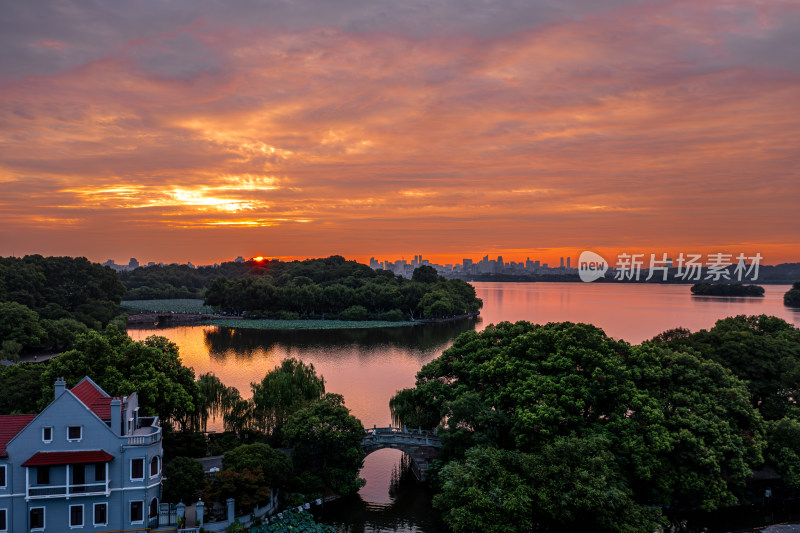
(97, 387)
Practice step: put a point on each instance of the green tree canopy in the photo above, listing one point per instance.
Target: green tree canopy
(500, 491)
(21, 325)
(283, 390)
(62, 287)
(762, 350)
(327, 439)
(183, 480)
(275, 465)
(335, 288)
(792, 296)
(248, 488)
(677, 426)
(218, 400)
(425, 274)
(121, 366)
(20, 385)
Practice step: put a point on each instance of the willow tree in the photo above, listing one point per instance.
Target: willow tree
(220, 401)
(284, 390)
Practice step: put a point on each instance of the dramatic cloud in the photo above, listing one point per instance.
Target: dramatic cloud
(203, 130)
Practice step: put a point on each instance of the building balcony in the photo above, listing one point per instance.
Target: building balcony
(100, 488)
(147, 432)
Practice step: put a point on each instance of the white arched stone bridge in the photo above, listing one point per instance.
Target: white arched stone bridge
(421, 445)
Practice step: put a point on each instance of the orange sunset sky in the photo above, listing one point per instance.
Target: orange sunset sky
(198, 130)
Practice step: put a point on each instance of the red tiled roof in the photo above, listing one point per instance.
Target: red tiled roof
(71, 458)
(94, 398)
(10, 425)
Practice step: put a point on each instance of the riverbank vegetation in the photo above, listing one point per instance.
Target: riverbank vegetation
(177, 305)
(726, 289)
(279, 325)
(289, 409)
(551, 426)
(46, 301)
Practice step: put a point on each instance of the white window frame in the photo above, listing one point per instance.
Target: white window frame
(44, 518)
(144, 466)
(130, 511)
(4, 511)
(157, 459)
(48, 441)
(94, 507)
(79, 438)
(83, 516)
(4, 476)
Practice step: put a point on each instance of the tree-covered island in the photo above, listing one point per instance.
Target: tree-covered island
(792, 296)
(338, 289)
(313, 289)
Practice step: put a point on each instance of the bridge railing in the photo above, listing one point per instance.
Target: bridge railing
(374, 430)
(394, 435)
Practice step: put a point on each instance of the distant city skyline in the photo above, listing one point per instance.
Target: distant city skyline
(567, 262)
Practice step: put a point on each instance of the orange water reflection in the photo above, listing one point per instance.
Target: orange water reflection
(368, 367)
(631, 312)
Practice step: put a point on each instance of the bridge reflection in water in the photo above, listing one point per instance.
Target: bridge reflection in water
(421, 445)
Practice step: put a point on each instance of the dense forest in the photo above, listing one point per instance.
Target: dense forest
(335, 288)
(46, 301)
(180, 281)
(726, 289)
(554, 426)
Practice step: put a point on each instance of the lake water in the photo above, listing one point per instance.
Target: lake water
(368, 366)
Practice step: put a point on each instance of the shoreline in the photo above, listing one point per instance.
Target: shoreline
(185, 319)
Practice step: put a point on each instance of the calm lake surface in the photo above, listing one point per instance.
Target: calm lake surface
(368, 366)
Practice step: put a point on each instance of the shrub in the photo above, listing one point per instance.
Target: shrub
(395, 315)
(354, 312)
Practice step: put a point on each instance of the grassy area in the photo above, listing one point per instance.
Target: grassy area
(305, 324)
(167, 306)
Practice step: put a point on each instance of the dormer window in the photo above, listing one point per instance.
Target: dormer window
(47, 434)
(74, 433)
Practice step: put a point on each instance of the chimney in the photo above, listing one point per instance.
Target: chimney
(60, 386)
(116, 416)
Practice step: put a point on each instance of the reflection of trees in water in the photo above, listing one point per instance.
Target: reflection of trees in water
(402, 478)
(221, 340)
(728, 299)
(410, 509)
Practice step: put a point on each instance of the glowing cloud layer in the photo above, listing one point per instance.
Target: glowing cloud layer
(178, 131)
